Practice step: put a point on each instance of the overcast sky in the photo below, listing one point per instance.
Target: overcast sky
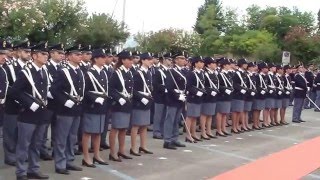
(147, 15)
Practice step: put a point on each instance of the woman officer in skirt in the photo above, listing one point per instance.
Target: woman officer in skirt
(260, 98)
(196, 90)
(287, 92)
(279, 92)
(224, 100)
(142, 101)
(208, 107)
(96, 108)
(121, 90)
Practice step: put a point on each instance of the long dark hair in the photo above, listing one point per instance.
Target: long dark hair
(119, 63)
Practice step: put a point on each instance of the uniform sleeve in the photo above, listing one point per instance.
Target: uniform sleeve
(58, 86)
(17, 91)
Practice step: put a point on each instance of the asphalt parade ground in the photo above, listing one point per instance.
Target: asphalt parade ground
(202, 160)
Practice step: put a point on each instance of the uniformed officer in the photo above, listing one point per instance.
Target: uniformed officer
(310, 78)
(96, 107)
(141, 104)
(68, 91)
(121, 89)
(280, 92)
(108, 68)
(195, 94)
(85, 64)
(30, 89)
(4, 83)
(287, 92)
(159, 95)
(224, 101)
(317, 88)
(251, 95)
(176, 86)
(208, 107)
(12, 107)
(260, 99)
(271, 97)
(300, 90)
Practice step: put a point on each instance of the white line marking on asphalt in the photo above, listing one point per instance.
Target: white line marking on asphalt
(226, 141)
(140, 164)
(209, 145)
(314, 176)
(85, 178)
(187, 150)
(250, 135)
(269, 130)
(162, 158)
(239, 138)
(116, 173)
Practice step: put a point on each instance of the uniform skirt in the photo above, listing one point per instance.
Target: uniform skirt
(208, 109)
(248, 106)
(237, 105)
(93, 123)
(120, 120)
(285, 102)
(278, 103)
(140, 117)
(223, 107)
(270, 103)
(259, 104)
(193, 110)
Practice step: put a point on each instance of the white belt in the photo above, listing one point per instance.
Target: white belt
(298, 88)
(144, 93)
(318, 84)
(2, 101)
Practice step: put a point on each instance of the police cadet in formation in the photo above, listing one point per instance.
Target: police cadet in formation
(12, 107)
(141, 104)
(108, 68)
(95, 108)
(30, 89)
(280, 91)
(317, 89)
(195, 93)
(225, 97)
(68, 91)
(310, 80)
(240, 81)
(268, 112)
(4, 83)
(208, 106)
(159, 95)
(176, 86)
(300, 90)
(252, 88)
(121, 89)
(287, 92)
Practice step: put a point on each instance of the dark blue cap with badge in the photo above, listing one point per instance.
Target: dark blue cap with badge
(136, 54)
(209, 60)
(57, 47)
(262, 65)
(271, 65)
(96, 53)
(179, 54)
(285, 67)
(251, 64)
(41, 47)
(145, 55)
(279, 67)
(24, 46)
(242, 61)
(125, 54)
(3, 47)
(196, 59)
(86, 49)
(74, 49)
(224, 61)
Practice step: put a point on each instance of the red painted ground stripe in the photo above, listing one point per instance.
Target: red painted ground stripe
(289, 164)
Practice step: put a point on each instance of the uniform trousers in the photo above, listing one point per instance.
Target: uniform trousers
(297, 109)
(66, 129)
(28, 148)
(10, 137)
(158, 119)
(171, 123)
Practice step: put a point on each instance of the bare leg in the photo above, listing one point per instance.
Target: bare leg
(143, 137)
(96, 146)
(112, 142)
(204, 125)
(219, 123)
(85, 147)
(208, 125)
(134, 133)
(121, 139)
(188, 123)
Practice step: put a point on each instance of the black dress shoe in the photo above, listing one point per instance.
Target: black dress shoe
(134, 153)
(296, 121)
(284, 123)
(37, 175)
(302, 120)
(77, 152)
(10, 163)
(104, 146)
(178, 144)
(144, 151)
(73, 168)
(84, 163)
(235, 132)
(212, 136)
(46, 157)
(99, 162)
(195, 138)
(24, 177)
(168, 145)
(222, 135)
(190, 141)
(124, 156)
(157, 137)
(111, 158)
(256, 128)
(62, 171)
(205, 138)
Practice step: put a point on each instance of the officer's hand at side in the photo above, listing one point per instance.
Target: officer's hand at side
(34, 106)
(99, 100)
(122, 101)
(69, 103)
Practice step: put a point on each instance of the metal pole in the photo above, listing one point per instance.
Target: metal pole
(187, 128)
(313, 103)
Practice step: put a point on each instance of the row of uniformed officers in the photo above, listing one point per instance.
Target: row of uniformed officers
(38, 92)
